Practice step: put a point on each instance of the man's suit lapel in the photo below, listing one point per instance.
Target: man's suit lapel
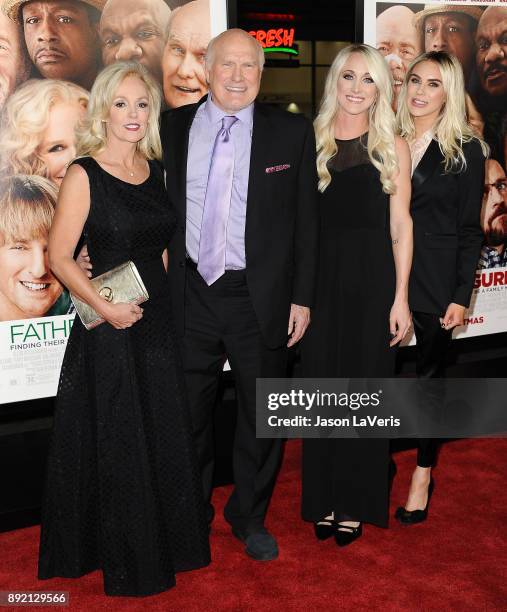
(261, 139)
(428, 164)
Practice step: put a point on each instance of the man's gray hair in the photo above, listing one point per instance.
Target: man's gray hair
(210, 51)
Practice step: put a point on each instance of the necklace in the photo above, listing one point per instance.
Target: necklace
(131, 171)
(124, 168)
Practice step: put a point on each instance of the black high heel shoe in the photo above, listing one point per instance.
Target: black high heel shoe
(345, 535)
(324, 529)
(412, 517)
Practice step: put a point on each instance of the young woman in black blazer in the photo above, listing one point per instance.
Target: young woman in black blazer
(447, 183)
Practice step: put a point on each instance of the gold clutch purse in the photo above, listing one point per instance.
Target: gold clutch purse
(121, 284)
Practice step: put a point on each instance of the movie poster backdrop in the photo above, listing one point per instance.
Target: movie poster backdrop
(476, 32)
(50, 53)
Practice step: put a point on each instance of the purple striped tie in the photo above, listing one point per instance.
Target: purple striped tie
(211, 263)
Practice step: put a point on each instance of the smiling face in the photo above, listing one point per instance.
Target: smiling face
(129, 112)
(14, 63)
(356, 90)
(134, 30)
(494, 204)
(398, 41)
(61, 40)
(234, 72)
(454, 33)
(491, 55)
(57, 147)
(425, 92)
(184, 81)
(27, 285)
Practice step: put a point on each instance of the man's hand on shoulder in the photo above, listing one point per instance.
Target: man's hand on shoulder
(83, 261)
(299, 319)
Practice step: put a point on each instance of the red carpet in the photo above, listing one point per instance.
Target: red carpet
(457, 560)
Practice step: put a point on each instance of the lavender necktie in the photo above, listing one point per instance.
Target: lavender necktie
(211, 263)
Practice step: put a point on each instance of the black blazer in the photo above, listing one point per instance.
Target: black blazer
(281, 219)
(447, 232)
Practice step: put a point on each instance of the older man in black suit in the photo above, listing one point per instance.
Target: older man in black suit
(242, 177)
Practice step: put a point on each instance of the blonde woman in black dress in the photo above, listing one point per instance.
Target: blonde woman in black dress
(123, 491)
(361, 310)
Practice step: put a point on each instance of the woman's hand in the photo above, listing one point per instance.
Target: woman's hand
(454, 316)
(400, 321)
(121, 315)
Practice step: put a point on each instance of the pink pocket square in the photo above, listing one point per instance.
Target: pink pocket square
(277, 168)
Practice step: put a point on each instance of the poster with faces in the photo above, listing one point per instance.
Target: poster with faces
(476, 33)
(50, 54)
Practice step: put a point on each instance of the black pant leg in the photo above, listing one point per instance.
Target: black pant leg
(256, 461)
(220, 321)
(432, 344)
(203, 359)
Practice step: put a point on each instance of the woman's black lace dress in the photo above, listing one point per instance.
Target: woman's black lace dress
(123, 492)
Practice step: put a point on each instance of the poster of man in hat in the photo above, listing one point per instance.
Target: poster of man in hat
(475, 32)
(452, 28)
(60, 36)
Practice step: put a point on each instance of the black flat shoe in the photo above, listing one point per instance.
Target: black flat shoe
(345, 535)
(412, 517)
(324, 529)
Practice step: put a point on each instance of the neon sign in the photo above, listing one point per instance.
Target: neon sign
(276, 41)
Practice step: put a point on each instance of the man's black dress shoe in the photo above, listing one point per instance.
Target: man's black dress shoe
(260, 545)
(412, 517)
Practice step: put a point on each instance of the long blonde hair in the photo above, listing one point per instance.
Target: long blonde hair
(92, 137)
(452, 129)
(381, 134)
(26, 117)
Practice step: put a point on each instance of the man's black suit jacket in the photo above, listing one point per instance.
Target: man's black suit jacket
(282, 223)
(447, 232)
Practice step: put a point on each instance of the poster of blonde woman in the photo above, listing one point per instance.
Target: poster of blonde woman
(475, 32)
(51, 52)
